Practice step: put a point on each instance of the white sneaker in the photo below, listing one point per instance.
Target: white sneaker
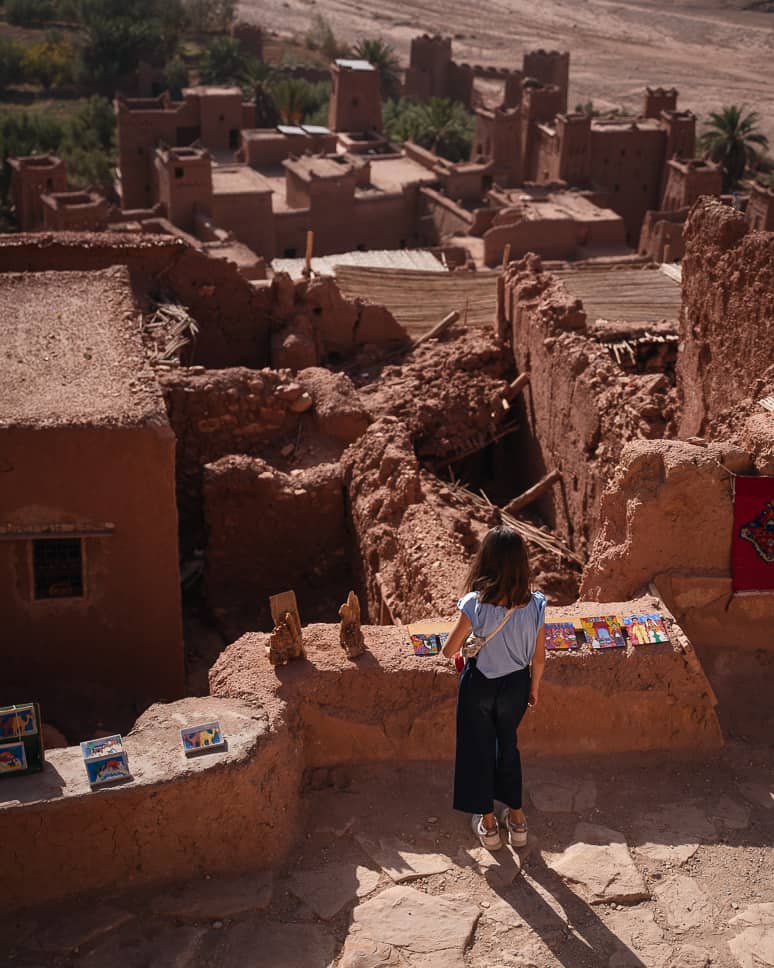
(489, 838)
(515, 832)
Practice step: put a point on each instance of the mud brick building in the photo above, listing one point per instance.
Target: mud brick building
(88, 523)
(31, 176)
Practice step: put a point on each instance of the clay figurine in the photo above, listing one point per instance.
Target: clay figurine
(285, 642)
(350, 634)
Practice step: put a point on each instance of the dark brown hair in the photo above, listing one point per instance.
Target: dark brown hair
(500, 570)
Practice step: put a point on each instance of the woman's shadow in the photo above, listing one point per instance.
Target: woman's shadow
(580, 939)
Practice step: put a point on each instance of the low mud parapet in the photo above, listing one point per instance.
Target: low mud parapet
(237, 810)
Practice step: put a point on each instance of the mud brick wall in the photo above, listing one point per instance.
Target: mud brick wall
(268, 531)
(580, 406)
(727, 322)
(219, 412)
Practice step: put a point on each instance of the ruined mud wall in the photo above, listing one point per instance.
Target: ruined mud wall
(268, 531)
(219, 412)
(580, 405)
(232, 314)
(240, 324)
(667, 518)
(727, 322)
(447, 393)
(415, 536)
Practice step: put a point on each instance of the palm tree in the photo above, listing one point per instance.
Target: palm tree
(732, 138)
(382, 55)
(292, 99)
(223, 62)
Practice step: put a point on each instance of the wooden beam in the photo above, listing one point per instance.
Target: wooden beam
(446, 322)
(533, 493)
(308, 253)
(503, 399)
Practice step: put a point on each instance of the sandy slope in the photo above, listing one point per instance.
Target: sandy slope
(711, 50)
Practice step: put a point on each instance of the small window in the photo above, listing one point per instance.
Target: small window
(57, 565)
(355, 102)
(221, 117)
(178, 172)
(616, 188)
(623, 152)
(290, 253)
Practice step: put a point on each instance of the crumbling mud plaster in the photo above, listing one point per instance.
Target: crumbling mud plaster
(667, 518)
(727, 322)
(220, 412)
(580, 405)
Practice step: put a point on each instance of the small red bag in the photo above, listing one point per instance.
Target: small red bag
(459, 663)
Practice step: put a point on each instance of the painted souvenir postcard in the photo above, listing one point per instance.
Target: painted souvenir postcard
(604, 631)
(13, 758)
(202, 738)
(561, 635)
(18, 721)
(108, 769)
(429, 637)
(645, 629)
(102, 746)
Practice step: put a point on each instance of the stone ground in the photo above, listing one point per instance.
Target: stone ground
(647, 861)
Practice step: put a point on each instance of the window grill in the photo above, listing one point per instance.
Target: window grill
(58, 567)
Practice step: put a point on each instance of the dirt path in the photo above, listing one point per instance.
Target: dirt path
(712, 51)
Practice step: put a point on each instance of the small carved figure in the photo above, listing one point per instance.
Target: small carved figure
(285, 641)
(350, 633)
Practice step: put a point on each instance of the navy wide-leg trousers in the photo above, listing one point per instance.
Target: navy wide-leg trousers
(488, 765)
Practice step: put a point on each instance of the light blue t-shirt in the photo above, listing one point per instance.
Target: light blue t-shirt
(514, 645)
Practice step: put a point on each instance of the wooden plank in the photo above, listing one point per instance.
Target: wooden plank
(533, 493)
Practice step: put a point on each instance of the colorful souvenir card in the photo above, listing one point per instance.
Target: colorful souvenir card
(645, 629)
(603, 631)
(18, 721)
(561, 635)
(204, 738)
(13, 758)
(102, 746)
(428, 638)
(108, 769)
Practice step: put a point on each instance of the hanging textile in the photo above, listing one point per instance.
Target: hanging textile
(752, 546)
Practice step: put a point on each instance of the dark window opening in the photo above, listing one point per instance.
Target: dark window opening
(57, 565)
(290, 253)
(233, 138)
(355, 102)
(362, 247)
(616, 188)
(221, 117)
(178, 172)
(49, 183)
(623, 152)
(402, 243)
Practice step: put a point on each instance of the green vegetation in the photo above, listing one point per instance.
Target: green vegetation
(29, 13)
(444, 126)
(215, 16)
(385, 60)
(732, 138)
(84, 139)
(298, 101)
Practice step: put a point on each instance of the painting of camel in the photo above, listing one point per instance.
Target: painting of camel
(204, 738)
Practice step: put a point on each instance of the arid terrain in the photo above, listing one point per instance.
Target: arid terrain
(714, 51)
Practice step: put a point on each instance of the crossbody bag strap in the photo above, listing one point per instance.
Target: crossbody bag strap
(500, 626)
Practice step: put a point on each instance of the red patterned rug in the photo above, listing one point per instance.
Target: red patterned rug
(752, 547)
